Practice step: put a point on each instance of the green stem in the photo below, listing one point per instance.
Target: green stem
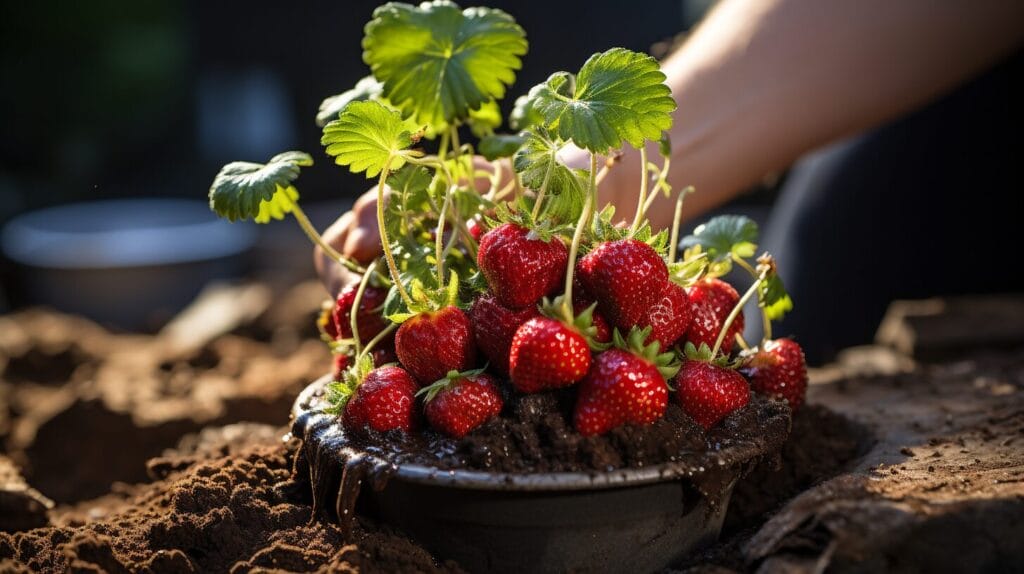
(659, 184)
(643, 191)
(439, 249)
(384, 243)
(735, 313)
(314, 236)
(739, 261)
(543, 188)
(442, 148)
(673, 245)
(765, 321)
(380, 337)
(354, 314)
(577, 236)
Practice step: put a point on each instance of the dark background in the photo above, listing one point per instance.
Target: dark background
(108, 99)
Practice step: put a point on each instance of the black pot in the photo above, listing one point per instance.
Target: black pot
(630, 520)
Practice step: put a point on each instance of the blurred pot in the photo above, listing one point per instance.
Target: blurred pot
(129, 263)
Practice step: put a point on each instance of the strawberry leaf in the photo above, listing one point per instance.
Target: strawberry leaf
(365, 135)
(523, 116)
(497, 146)
(618, 95)
(438, 62)
(774, 298)
(244, 190)
(724, 236)
(367, 88)
(484, 120)
(538, 154)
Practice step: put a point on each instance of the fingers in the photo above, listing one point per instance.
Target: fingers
(355, 235)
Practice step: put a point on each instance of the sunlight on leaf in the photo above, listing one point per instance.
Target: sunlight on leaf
(365, 135)
(367, 88)
(244, 190)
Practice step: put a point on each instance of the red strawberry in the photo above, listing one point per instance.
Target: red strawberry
(520, 267)
(669, 317)
(384, 354)
(626, 277)
(461, 402)
(494, 325)
(711, 301)
(778, 370)
(547, 354)
(708, 392)
(623, 387)
(384, 400)
(431, 344)
(341, 361)
(369, 319)
(602, 330)
(475, 227)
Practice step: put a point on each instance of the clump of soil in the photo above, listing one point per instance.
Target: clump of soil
(226, 513)
(537, 435)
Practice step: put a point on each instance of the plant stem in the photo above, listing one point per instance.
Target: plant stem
(673, 245)
(380, 337)
(643, 190)
(739, 261)
(314, 236)
(577, 236)
(354, 314)
(543, 188)
(658, 185)
(384, 243)
(439, 249)
(735, 313)
(442, 148)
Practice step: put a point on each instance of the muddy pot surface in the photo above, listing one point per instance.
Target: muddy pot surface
(626, 520)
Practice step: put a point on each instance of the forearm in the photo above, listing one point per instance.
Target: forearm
(761, 82)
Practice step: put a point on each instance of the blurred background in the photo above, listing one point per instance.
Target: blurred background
(114, 100)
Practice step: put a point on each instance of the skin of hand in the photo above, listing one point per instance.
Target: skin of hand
(761, 82)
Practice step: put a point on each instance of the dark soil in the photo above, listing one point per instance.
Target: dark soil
(220, 508)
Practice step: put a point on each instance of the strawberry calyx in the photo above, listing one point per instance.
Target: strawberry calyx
(583, 323)
(338, 393)
(432, 390)
(667, 363)
(544, 229)
(427, 300)
(704, 354)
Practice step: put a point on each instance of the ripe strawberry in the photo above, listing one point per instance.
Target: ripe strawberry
(669, 317)
(711, 301)
(625, 277)
(384, 354)
(778, 369)
(433, 343)
(384, 400)
(460, 403)
(494, 325)
(624, 386)
(475, 227)
(520, 267)
(547, 354)
(369, 319)
(708, 391)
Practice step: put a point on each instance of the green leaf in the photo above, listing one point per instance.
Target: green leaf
(367, 88)
(618, 95)
(408, 198)
(689, 270)
(365, 135)
(486, 119)
(438, 62)
(523, 115)
(665, 145)
(244, 190)
(566, 193)
(493, 147)
(725, 235)
(774, 299)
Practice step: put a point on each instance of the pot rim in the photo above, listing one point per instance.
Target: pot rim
(551, 481)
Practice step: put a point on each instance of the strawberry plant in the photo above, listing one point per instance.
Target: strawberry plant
(526, 285)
